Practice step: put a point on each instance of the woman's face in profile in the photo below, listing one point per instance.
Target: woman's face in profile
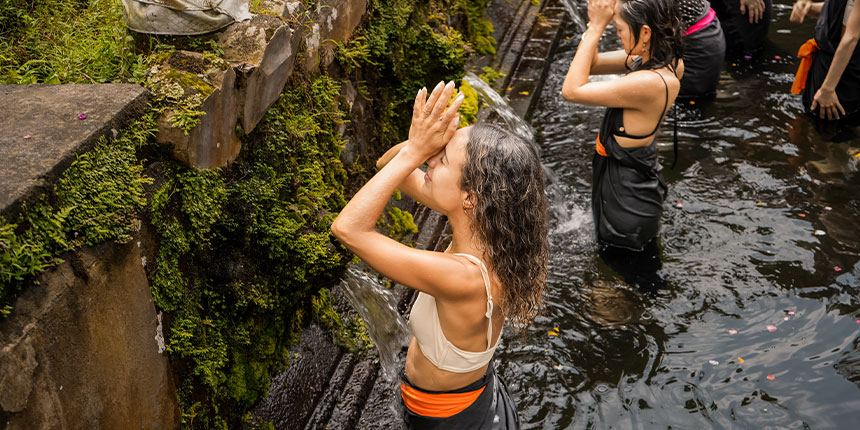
(442, 179)
(622, 29)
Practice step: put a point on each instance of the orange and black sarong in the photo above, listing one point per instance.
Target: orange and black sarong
(483, 404)
(806, 54)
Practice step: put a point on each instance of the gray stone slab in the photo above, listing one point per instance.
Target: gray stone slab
(48, 114)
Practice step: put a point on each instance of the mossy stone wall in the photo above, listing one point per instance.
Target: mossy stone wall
(241, 253)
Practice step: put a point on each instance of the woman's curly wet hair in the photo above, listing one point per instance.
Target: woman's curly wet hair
(504, 177)
(667, 36)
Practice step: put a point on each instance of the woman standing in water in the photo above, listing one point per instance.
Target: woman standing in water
(628, 190)
(829, 75)
(489, 183)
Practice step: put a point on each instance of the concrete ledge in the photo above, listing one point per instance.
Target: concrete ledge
(48, 114)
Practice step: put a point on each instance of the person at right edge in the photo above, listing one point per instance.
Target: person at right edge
(829, 72)
(745, 24)
(628, 190)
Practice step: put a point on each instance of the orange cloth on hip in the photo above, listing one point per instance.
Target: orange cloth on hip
(441, 405)
(600, 149)
(805, 54)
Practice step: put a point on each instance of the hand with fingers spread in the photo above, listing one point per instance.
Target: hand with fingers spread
(433, 121)
(827, 103)
(754, 9)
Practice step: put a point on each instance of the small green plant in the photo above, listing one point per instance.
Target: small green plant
(490, 75)
(185, 115)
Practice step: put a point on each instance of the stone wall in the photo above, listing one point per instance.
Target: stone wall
(82, 348)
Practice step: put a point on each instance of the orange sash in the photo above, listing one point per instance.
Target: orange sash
(805, 54)
(600, 149)
(440, 405)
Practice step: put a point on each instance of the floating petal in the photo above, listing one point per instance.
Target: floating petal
(771, 328)
(733, 331)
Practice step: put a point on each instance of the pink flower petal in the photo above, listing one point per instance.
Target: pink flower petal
(790, 312)
(771, 328)
(27, 136)
(714, 362)
(771, 377)
(837, 268)
(802, 215)
(733, 331)
(82, 116)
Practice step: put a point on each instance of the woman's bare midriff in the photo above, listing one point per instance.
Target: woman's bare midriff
(424, 374)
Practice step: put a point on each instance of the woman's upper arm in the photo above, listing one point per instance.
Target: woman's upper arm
(609, 63)
(852, 27)
(435, 273)
(633, 91)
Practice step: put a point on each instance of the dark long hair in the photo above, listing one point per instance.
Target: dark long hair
(667, 36)
(504, 174)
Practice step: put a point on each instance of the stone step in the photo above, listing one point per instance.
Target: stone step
(49, 126)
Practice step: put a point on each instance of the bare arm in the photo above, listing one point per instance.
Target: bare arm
(412, 185)
(611, 63)
(826, 98)
(434, 273)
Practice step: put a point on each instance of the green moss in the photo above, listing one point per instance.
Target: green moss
(478, 28)
(469, 108)
(95, 200)
(58, 41)
(490, 75)
(242, 251)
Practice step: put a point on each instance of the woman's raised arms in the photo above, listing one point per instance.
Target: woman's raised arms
(434, 273)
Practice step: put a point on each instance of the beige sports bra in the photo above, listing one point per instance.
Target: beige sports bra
(424, 320)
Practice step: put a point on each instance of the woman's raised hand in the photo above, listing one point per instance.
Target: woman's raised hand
(800, 10)
(600, 12)
(432, 124)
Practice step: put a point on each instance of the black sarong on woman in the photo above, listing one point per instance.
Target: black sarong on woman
(628, 190)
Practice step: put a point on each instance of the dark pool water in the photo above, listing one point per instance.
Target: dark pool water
(755, 181)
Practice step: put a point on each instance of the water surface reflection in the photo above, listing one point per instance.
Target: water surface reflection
(767, 233)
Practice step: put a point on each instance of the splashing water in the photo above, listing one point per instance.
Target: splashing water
(498, 105)
(378, 308)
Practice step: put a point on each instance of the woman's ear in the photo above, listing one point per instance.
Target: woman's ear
(469, 202)
(645, 35)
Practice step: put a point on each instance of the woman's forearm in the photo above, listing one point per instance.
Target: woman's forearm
(842, 56)
(580, 67)
(362, 211)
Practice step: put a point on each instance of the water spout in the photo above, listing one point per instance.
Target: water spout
(498, 105)
(377, 306)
